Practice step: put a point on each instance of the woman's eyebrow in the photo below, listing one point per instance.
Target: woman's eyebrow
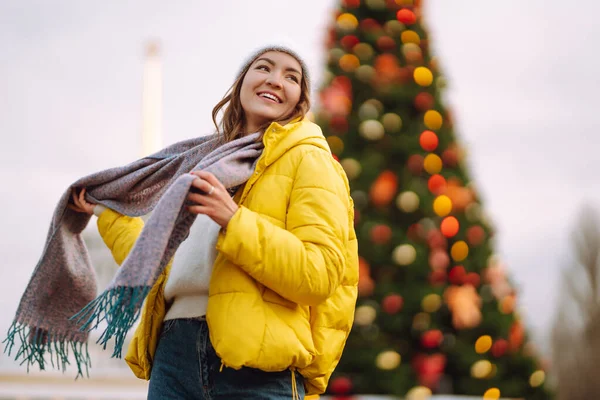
(273, 63)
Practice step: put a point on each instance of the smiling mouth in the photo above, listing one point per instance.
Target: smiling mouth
(270, 97)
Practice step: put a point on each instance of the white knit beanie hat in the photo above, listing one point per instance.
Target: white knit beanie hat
(284, 46)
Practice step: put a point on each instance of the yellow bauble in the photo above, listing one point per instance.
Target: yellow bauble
(483, 344)
(410, 37)
(491, 394)
(364, 315)
(404, 254)
(349, 62)
(408, 201)
(418, 392)
(421, 321)
(433, 120)
(392, 123)
(537, 378)
(481, 369)
(459, 251)
(364, 51)
(442, 205)
(423, 76)
(351, 167)
(432, 164)
(347, 22)
(335, 144)
(365, 73)
(431, 303)
(388, 360)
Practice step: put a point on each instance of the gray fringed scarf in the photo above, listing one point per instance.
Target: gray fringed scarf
(59, 306)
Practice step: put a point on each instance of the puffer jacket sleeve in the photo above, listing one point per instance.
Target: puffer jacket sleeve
(305, 262)
(119, 232)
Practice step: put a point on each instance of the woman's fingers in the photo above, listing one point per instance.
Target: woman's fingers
(198, 198)
(210, 178)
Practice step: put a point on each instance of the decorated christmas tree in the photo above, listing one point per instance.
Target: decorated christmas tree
(436, 312)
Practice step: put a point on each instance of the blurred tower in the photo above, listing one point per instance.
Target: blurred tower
(152, 100)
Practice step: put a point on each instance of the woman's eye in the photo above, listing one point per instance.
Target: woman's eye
(263, 67)
(293, 78)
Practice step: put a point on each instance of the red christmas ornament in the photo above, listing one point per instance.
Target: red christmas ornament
(450, 157)
(369, 25)
(351, 3)
(475, 235)
(424, 101)
(383, 189)
(338, 124)
(406, 16)
(428, 141)
(436, 184)
(437, 277)
(349, 41)
(439, 259)
(436, 240)
(381, 234)
(432, 338)
(356, 217)
(392, 303)
(341, 385)
(414, 232)
(404, 75)
(449, 226)
(457, 275)
(499, 348)
(473, 279)
(415, 164)
(386, 43)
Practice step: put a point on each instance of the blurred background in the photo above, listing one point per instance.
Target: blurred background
(522, 79)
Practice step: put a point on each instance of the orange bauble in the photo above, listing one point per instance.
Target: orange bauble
(428, 141)
(406, 16)
(436, 184)
(384, 189)
(450, 226)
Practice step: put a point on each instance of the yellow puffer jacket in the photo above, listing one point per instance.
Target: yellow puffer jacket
(284, 283)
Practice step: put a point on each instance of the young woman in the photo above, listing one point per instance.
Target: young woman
(258, 301)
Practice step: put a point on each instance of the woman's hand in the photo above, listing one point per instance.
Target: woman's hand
(80, 204)
(215, 201)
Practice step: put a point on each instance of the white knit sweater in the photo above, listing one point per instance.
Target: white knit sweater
(187, 287)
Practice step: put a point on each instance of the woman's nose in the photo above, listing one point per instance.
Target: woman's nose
(274, 81)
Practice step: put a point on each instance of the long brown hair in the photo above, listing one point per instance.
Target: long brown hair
(233, 121)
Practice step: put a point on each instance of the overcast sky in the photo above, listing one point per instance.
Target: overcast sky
(523, 86)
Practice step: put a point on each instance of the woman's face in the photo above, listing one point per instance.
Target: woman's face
(271, 89)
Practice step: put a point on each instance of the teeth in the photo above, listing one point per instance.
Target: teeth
(270, 96)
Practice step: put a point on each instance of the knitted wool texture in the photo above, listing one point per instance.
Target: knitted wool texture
(60, 305)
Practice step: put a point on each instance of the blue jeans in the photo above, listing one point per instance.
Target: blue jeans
(186, 366)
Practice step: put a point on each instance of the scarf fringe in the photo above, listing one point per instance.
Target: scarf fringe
(120, 307)
(37, 342)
